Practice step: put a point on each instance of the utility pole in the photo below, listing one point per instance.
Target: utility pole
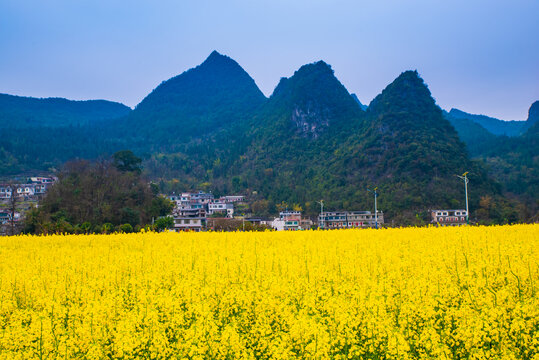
(321, 202)
(465, 178)
(375, 192)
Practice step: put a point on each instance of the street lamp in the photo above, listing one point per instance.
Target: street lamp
(465, 178)
(375, 192)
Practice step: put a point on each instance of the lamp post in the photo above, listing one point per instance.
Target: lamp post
(375, 192)
(465, 178)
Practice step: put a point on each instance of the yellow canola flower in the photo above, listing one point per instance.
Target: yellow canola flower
(412, 293)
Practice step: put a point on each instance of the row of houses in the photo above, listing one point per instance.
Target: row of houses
(191, 210)
(32, 187)
(197, 211)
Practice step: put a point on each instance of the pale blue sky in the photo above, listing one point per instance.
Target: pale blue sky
(479, 56)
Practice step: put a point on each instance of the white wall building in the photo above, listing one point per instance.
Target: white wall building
(221, 207)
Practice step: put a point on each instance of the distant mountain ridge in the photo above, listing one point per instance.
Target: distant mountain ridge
(21, 111)
(493, 125)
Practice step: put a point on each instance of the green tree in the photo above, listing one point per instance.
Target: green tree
(161, 206)
(164, 223)
(125, 160)
(126, 228)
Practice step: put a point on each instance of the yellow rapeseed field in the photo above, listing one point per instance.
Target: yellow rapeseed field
(413, 293)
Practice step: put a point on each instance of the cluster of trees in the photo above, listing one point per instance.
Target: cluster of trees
(100, 197)
(223, 224)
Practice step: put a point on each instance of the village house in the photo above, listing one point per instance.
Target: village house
(357, 219)
(202, 198)
(218, 207)
(332, 220)
(189, 219)
(185, 223)
(448, 217)
(287, 220)
(26, 190)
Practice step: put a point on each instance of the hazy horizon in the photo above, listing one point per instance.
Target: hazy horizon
(480, 58)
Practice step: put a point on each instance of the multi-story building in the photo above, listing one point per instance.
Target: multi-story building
(192, 199)
(26, 190)
(41, 184)
(287, 220)
(189, 219)
(349, 219)
(227, 209)
(449, 217)
(185, 223)
(40, 189)
(357, 219)
(190, 212)
(202, 197)
(332, 220)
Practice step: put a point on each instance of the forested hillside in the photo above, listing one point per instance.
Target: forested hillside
(493, 125)
(26, 112)
(214, 95)
(41, 134)
(512, 160)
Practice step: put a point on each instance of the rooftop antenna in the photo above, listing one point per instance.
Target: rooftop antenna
(466, 180)
(375, 192)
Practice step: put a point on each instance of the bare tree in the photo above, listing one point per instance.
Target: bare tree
(12, 206)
